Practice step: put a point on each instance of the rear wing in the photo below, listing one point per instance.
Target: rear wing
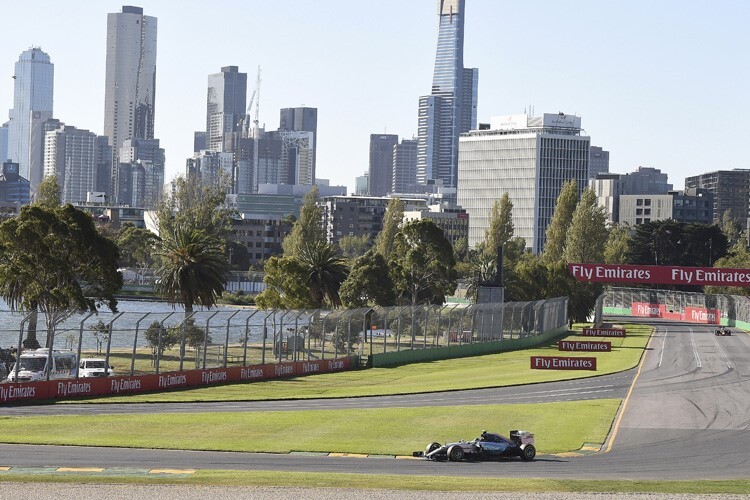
(522, 437)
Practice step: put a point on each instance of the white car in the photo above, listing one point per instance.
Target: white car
(94, 367)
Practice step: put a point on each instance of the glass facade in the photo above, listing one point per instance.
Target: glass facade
(130, 86)
(531, 165)
(225, 108)
(32, 104)
(450, 109)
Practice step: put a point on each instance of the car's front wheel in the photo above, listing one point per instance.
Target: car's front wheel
(456, 453)
(529, 452)
(431, 447)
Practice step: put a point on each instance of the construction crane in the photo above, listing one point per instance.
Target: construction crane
(254, 99)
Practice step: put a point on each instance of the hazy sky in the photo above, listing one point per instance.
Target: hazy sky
(657, 83)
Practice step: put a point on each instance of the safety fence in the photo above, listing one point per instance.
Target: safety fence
(219, 345)
(718, 309)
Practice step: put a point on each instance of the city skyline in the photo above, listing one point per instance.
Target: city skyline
(656, 85)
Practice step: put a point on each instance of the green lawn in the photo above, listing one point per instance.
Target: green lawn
(399, 482)
(494, 370)
(558, 427)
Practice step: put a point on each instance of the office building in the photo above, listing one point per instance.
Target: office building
(261, 235)
(303, 119)
(14, 189)
(598, 161)
(225, 108)
(362, 185)
(199, 141)
(528, 157)
(693, 205)
(32, 105)
(142, 181)
(381, 163)
(452, 220)
(404, 167)
(70, 154)
(608, 188)
(130, 85)
(730, 189)
(4, 141)
(358, 215)
(211, 167)
(451, 106)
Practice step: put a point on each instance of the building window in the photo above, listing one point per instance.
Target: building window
(647, 202)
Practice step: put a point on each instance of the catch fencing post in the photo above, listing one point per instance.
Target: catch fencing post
(20, 342)
(135, 343)
(265, 336)
(205, 339)
(226, 340)
(247, 337)
(80, 341)
(158, 344)
(109, 344)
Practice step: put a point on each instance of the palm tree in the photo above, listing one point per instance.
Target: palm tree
(192, 267)
(325, 269)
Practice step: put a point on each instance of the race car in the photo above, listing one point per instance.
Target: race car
(488, 446)
(723, 331)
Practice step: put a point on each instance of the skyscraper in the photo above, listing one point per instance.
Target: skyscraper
(381, 163)
(302, 120)
(130, 89)
(32, 105)
(225, 108)
(404, 166)
(451, 107)
(71, 155)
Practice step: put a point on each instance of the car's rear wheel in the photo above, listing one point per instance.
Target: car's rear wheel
(529, 452)
(431, 447)
(456, 453)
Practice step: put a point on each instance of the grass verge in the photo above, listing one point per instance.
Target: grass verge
(402, 482)
(558, 427)
(493, 370)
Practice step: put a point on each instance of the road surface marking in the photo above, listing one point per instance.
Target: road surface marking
(723, 354)
(172, 471)
(80, 469)
(695, 349)
(663, 342)
(616, 427)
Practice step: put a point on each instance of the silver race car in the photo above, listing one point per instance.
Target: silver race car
(488, 446)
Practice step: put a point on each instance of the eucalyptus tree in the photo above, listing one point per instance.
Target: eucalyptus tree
(557, 231)
(392, 221)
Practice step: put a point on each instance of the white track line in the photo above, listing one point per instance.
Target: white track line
(695, 349)
(663, 342)
(723, 354)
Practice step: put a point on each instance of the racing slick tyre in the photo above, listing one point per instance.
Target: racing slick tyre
(431, 447)
(529, 452)
(455, 453)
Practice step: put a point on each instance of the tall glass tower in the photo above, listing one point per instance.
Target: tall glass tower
(32, 105)
(130, 89)
(225, 108)
(451, 107)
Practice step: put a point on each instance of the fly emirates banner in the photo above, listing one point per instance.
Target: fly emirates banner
(665, 275)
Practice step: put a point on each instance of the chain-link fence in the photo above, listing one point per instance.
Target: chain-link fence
(676, 305)
(138, 343)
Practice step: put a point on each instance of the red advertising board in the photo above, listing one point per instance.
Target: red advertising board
(668, 275)
(562, 363)
(25, 391)
(584, 345)
(603, 332)
(702, 315)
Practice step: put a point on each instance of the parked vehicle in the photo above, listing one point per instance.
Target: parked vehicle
(32, 366)
(94, 367)
(486, 447)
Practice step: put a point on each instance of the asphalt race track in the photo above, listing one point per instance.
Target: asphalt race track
(687, 417)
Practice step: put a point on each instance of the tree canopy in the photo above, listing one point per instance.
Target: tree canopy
(557, 231)
(501, 228)
(394, 217)
(368, 283)
(423, 266)
(307, 228)
(54, 260)
(587, 233)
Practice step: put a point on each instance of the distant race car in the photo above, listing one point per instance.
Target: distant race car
(723, 331)
(488, 446)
